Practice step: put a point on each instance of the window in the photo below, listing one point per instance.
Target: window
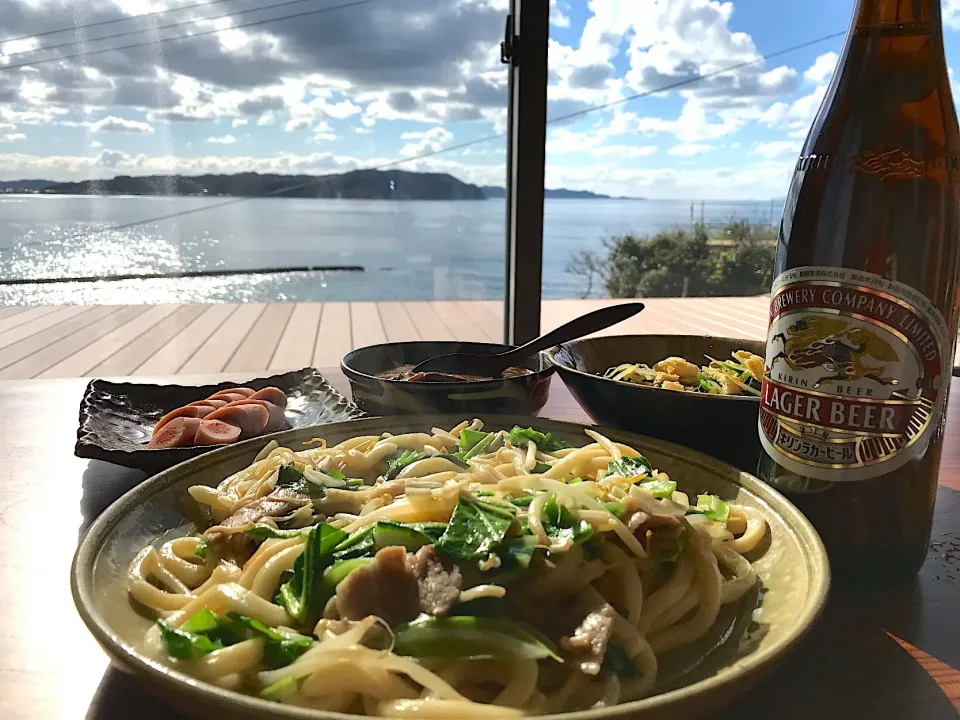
(224, 185)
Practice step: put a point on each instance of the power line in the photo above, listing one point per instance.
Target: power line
(469, 143)
(127, 33)
(113, 21)
(203, 33)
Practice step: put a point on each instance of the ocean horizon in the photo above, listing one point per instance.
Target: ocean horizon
(410, 250)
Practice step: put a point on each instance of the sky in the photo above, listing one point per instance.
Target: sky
(352, 84)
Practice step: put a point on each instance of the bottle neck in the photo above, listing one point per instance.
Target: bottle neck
(878, 14)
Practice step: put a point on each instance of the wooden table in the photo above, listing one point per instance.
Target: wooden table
(903, 646)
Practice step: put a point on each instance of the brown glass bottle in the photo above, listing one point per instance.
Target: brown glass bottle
(858, 360)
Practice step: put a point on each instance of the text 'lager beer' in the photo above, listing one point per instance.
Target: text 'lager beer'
(863, 309)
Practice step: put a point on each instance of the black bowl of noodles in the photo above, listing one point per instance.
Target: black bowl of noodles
(382, 383)
(724, 426)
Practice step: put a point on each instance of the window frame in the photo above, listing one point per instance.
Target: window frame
(526, 42)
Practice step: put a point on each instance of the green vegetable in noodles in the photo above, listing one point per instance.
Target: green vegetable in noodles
(432, 530)
(540, 468)
(281, 689)
(659, 488)
(708, 384)
(490, 607)
(469, 438)
(615, 507)
(263, 532)
(201, 549)
(301, 594)
(559, 522)
(515, 556)
(359, 544)
(386, 534)
(282, 646)
(475, 528)
(184, 645)
(617, 661)
(522, 501)
(630, 467)
(473, 443)
(290, 477)
(470, 638)
(546, 442)
(713, 507)
(399, 461)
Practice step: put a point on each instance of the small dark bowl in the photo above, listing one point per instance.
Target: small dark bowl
(719, 425)
(523, 395)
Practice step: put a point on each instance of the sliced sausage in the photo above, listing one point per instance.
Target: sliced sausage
(250, 417)
(244, 392)
(185, 411)
(216, 432)
(275, 413)
(204, 407)
(229, 396)
(272, 395)
(179, 432)
(216, 402)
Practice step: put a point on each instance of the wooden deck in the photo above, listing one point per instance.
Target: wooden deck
(111, 340)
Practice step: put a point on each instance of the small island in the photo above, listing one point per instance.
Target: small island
(353, 185)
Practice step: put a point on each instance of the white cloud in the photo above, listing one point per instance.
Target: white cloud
(96, 144)
(118, 124)
(951, 14)
(323, 131)
(795, 117)
(744, 181)
(689, 149)
(624, 151)
(8, 133)
(294, 124)
(557, 17)
(678, 40)
(222, 140)
(239, 122)
(430, 141)
(822, 68)
(694, 123)
(777, 148)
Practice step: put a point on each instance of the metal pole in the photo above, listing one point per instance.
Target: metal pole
(525, 48)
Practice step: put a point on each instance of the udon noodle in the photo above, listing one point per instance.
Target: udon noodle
(456, 573)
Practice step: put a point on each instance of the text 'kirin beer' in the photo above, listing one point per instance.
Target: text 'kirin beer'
(863, 309)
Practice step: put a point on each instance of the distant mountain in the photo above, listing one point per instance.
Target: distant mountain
(11, 186)
(357, 184)
(498, 192)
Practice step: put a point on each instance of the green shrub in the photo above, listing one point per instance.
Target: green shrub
(737, 260)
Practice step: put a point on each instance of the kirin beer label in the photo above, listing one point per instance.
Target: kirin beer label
(856, 368)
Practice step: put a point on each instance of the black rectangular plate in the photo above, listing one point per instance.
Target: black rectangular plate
(117, 419)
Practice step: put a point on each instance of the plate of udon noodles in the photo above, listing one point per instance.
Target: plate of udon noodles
(436, 567)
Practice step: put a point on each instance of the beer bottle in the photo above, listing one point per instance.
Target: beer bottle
(864, 308)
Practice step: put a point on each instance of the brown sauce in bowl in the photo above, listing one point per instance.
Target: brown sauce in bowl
(405, 373)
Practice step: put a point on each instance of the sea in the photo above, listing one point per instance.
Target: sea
(409, 250)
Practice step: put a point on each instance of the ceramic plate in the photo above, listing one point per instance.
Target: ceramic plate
(117, 419)
(748, 640)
